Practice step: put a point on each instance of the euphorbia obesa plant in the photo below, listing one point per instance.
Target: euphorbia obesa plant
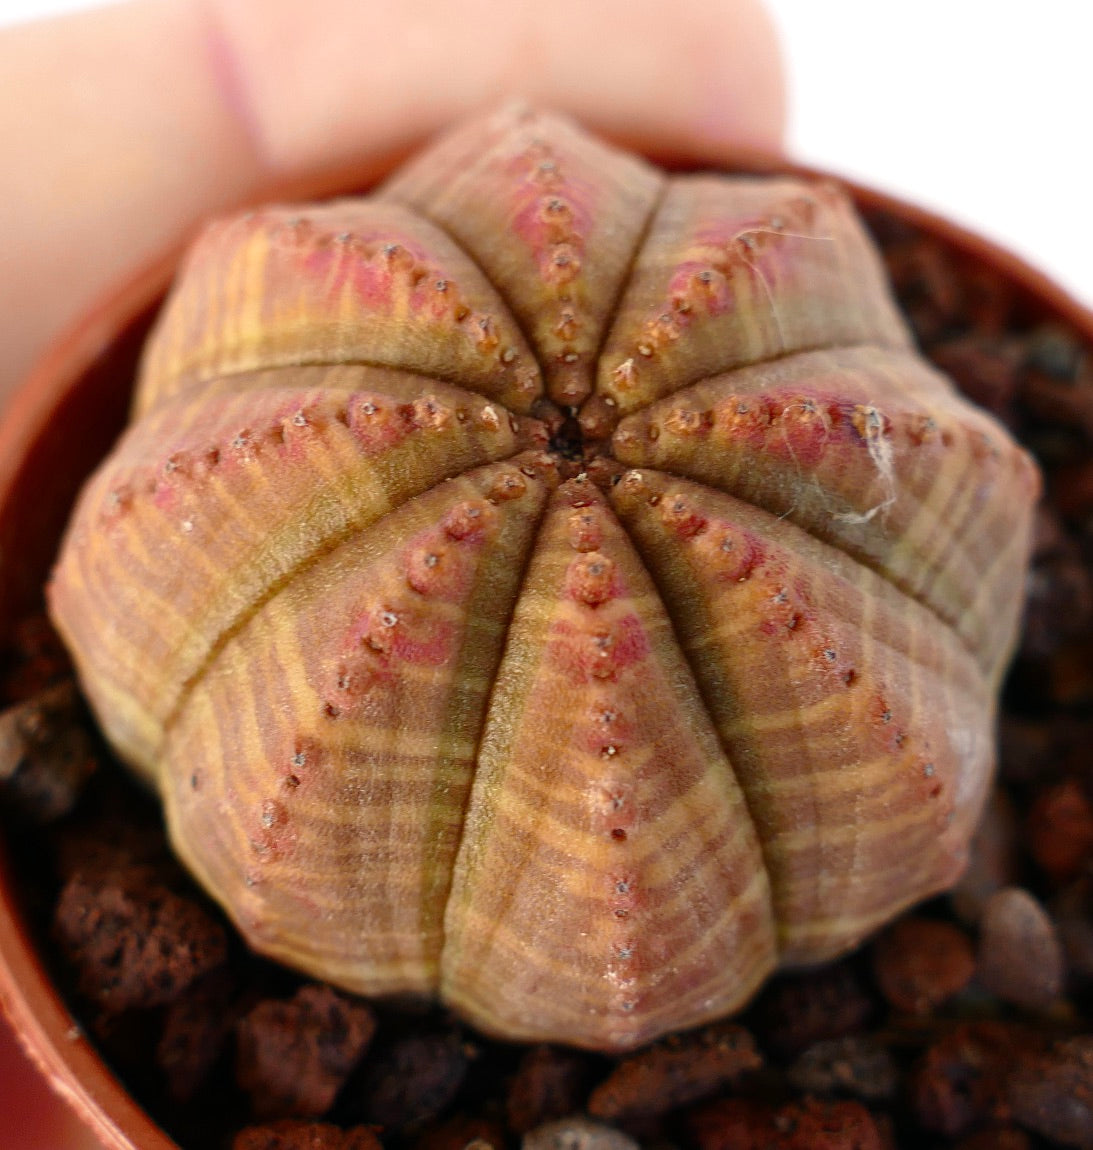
(552, 585)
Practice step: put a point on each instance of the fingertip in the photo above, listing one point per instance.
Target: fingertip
(322, 85)
(134, 121)
(749, 106)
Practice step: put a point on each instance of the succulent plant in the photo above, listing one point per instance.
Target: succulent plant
(551, 585)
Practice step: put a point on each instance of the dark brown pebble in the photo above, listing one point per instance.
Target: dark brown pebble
(998, 1138)
(1051, 1093)
(196, 1027)
(413, 1081)
(993, 859)
(1072, 492)
(1070, 675)
(549, 1083)
(1070, 737)
(1064, 402)
(46, 753)
(1057, 379)
(978, 1072)
(35, 661)
(928, 287)
(1072, 912)
(1059, 603)
(577, 1134)
(126, 836)
(985, 366)
(462, 1132)
(1060, 830)
(987, 298)
(1056, 352)
(132, 941)
(292, 1057)
(888, 231)
(676, 1072)
(962, 1079)
(1027, 748)
(289, 1134)
(746, 1124)
(919, 963)
(1020, 958)
(857, 1065)
(942, 293)
(800, 1009)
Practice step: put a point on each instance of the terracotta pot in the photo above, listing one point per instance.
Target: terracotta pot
(61, 421)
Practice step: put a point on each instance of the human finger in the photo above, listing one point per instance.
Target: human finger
(131, 123)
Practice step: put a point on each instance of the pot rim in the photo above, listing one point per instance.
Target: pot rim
(42, 1021)
(45, 1028)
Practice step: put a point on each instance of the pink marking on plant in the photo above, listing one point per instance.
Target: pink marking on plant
(439, 569)
(798, 432)
(401, 632)
(681, 518)
(597, 654)
(359, 675)
(470, 520)
(271, 835)
(613, 805)
(585, 531)
(732, 555)
(376, 423)
(436, 299)
(625, 894)
(426, 642)
(697, 283)
(607, 728)
(301, 766)
(164, 495)
(592, 579)
(334, 271)
(545, 218)
(743, 421)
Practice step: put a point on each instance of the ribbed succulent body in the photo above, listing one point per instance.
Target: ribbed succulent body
(551, 585)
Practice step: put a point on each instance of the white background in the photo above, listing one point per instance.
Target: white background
(979, 109)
